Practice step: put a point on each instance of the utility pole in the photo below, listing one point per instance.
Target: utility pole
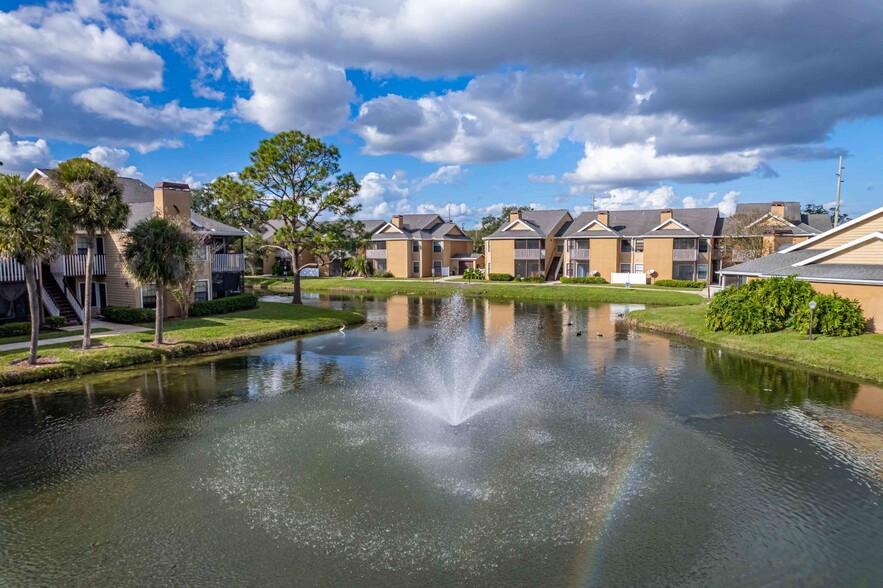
(593, 202)
(837, 201)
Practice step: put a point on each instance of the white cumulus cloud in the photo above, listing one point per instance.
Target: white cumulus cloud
(115, 159)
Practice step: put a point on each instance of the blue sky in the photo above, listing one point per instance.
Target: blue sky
(439, 106)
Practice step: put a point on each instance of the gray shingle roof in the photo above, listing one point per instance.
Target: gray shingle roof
(804, 224)
(540, 222)
(782, 264)
(142, 210)
(421, 227)
(792, 209)
(640, 223)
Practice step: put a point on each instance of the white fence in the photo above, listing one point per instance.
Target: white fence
(626, 278)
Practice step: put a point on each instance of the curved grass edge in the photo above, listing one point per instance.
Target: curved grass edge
(857, 357)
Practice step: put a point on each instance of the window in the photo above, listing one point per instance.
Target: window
(488, 246)
(639, 267)
(527, 244)
(99, 245)
(579, 244)
(148, 296)
(685, 244)
(625, 246)
(416, 247)
(376, 245)
(560, 247)
(378, 266)
(416, 268)
(683, 271)
(528, 268)
(703, 245)
(201, 291)
(436, 246)
(702, 271)
(625, 268)
(436, 268)
(82, 245)
(639, 245)
(582, 270)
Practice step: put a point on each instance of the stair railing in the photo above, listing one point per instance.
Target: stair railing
(78, 310)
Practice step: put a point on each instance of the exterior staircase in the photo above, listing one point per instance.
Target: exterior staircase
(554, 268)
(59, 299)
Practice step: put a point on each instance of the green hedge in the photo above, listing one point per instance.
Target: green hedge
(585, 280)
(534, 280)
(384, 275)
(473, 273)
(679, 284)
(834, 316)
(55, 322)
(15, 329)
(500, 277)
(224, 305)
(127, 315)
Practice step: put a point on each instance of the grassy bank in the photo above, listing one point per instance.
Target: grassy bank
(49, 335)
(185, 338)
(853, 356)
(505, 290)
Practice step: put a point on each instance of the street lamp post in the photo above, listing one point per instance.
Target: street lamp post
(812, 308)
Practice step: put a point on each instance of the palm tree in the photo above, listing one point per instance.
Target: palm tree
(34, 223)
(159, 251)
(97, 202)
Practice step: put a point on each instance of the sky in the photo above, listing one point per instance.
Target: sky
(463, 107)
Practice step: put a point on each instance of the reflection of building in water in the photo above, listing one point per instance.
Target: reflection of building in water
(499, 318)
(397, 313)
(869, 400)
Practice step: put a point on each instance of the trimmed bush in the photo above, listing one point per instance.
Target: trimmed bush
(534, 280)
(15, 329)
(127, 315)
(384, 275)
(584, 280)
(224, 305)
(834, 316)
(473, 273)
(738, 311)
(501, 277)
(54, 322)
(679, 284)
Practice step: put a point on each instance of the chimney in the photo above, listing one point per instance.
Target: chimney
(172, 199)
(778, 209)
(665, 214)
(604, 217)
(397, 221)
(514, 215)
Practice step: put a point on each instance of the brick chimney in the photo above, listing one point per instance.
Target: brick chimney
(172, 199)
(604, 217)
(665, 214)
(778, 209)
(397, 221)
(514, 215)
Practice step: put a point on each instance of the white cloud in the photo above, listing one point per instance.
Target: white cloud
(446, 174)
(115, 159)
(15, 104)
(727, 204)
(538, 179)
(23, 156)
(629, 198)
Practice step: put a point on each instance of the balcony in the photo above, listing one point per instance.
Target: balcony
(228, 262)
(75, 265)
(11, 270)
(684, 254)
(579, 254)
(530, 254)
(375, 253)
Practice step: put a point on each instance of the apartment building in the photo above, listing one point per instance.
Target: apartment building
(220, 269)
(847, 259)
(528, 245)
(777, 224)
(420, 246)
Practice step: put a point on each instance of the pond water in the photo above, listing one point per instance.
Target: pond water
(447, 442)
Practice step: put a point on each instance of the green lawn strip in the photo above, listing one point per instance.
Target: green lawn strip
(49, 335)
(267, 322)
(506, 290)
(853, 356)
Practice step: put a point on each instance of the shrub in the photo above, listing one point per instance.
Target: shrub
(584, 280)
(535, 279)
(127, 315)
(473, 273)
(384, 275)
(54, 322)
(279, 268)
(15, 329)
(783, 297)
(834, 316)
(224, 305)
(679, 284)
(501, 277)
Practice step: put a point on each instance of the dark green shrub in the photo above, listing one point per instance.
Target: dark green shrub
(535, 279)
(279, 268)
(224, 305)
(679, 284)
(737, 310)
(834, 316)
(473, 273)
(585, 280)
(500, 277)
(15, 329)
(127, 315)
(384, 275)
(783, 297)
(54, 322)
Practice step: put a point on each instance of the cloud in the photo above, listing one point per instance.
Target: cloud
(446, 174)
(14, 104)
(537, 179)
(727, 205)
(19, 156)
(115, 159)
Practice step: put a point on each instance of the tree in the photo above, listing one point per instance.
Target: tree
(299, 181)
(338, 242)
(820, 209)
(358, 266)
(231, 201)
(34, 223)
(489, 224)
(742, 238)
(97, 205)
(159, 251)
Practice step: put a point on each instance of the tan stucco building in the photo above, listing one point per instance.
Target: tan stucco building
(527, 246)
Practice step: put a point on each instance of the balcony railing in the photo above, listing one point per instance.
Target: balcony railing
(530, 254)
(11, 270)
(228, 262)
(579, 254)
(375, 253)
(684, 254)
(75, 265)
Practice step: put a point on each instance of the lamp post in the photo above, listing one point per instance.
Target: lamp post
(812, 308)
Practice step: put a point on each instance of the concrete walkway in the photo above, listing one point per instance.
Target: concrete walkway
(115, 329)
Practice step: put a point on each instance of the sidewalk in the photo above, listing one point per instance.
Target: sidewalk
(115, 329)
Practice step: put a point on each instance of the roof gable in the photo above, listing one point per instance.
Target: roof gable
(845, 233)
(864, 250)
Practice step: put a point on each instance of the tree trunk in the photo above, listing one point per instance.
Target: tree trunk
(295, 267)
(87, 296)
(160, 311)
(31, 285)
(38, 267)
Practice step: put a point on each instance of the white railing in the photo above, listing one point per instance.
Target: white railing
(75, 265)
(530, 254)
(375, 253)
(579, 254)
(228, 262)
(48, 303)
(11, 270)
(75, 304)
(684, 255)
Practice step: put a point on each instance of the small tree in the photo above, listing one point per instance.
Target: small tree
(34, 224)
(358, 266)
(158, 251)
(185, 291)
(742, 238)
(96, 200)
(299, 181)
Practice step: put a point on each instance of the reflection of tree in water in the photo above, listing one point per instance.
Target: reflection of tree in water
(777, 386)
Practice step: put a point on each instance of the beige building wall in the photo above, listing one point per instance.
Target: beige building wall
(501, 257)
(869, 225)
(426, 257)
(604, 256)
(658, 256)
(398, 258)
(870, 297)
(870, 252)
(453, 248)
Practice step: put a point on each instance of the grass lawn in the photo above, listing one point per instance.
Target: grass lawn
(854, 356)
(185, 338)
(50, 335)
(483, 289)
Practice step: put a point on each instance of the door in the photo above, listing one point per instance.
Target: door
(437, 268)
(100, 294)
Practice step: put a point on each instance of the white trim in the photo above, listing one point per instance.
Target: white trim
(775, 216)
(671, 220)
(36, 172)
(515, 222)
(836, 229)
(828, 253)
(597, 222)
(383, 228)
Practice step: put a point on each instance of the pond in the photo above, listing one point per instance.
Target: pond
(447, 442)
